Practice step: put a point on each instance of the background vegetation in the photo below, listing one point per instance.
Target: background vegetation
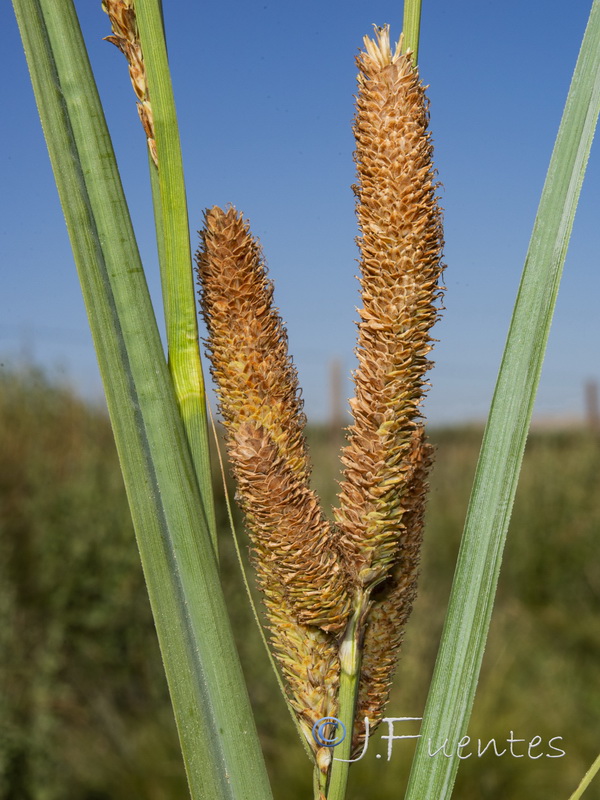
(84, 711)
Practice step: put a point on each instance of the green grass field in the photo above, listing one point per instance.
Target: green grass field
(84, 712)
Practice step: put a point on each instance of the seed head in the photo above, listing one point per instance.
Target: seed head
(392, 602)
(126, 37)
(386, 459)
(297, 562)
(400, 245)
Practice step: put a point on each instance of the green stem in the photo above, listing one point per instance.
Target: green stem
(172, 229)
(587, 779)
(411, 27)
(319, 783)
(350, 661)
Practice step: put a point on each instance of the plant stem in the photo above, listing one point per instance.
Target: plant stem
(411, 27)
(172, 229)
(319, 783)
(350, 660)
(587, 779)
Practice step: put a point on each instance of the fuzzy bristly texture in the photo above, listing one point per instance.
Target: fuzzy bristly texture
(386, 459)
(327, 586)
(126, 37)
(294, 550)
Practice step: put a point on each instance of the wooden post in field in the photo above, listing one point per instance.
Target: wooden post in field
(592, 412)
(336, 419)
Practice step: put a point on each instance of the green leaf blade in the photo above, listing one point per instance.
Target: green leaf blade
(219, 741)
(463, 641)
(171, 215)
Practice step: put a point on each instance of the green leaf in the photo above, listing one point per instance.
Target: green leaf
(219, 741)
(172, 231)
(463, 641)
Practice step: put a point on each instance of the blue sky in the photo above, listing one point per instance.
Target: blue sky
(265, 97)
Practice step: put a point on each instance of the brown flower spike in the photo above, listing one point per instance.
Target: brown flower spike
(299, 568)
(387, 459)
(327, 586)
(126, 37)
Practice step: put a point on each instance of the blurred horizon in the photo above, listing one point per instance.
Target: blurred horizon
(85, 708)
(337, 413)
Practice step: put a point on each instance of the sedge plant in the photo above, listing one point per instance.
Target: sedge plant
(337, 594)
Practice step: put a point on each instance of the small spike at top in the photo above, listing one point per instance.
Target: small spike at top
(126, 37)
(381, 51)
